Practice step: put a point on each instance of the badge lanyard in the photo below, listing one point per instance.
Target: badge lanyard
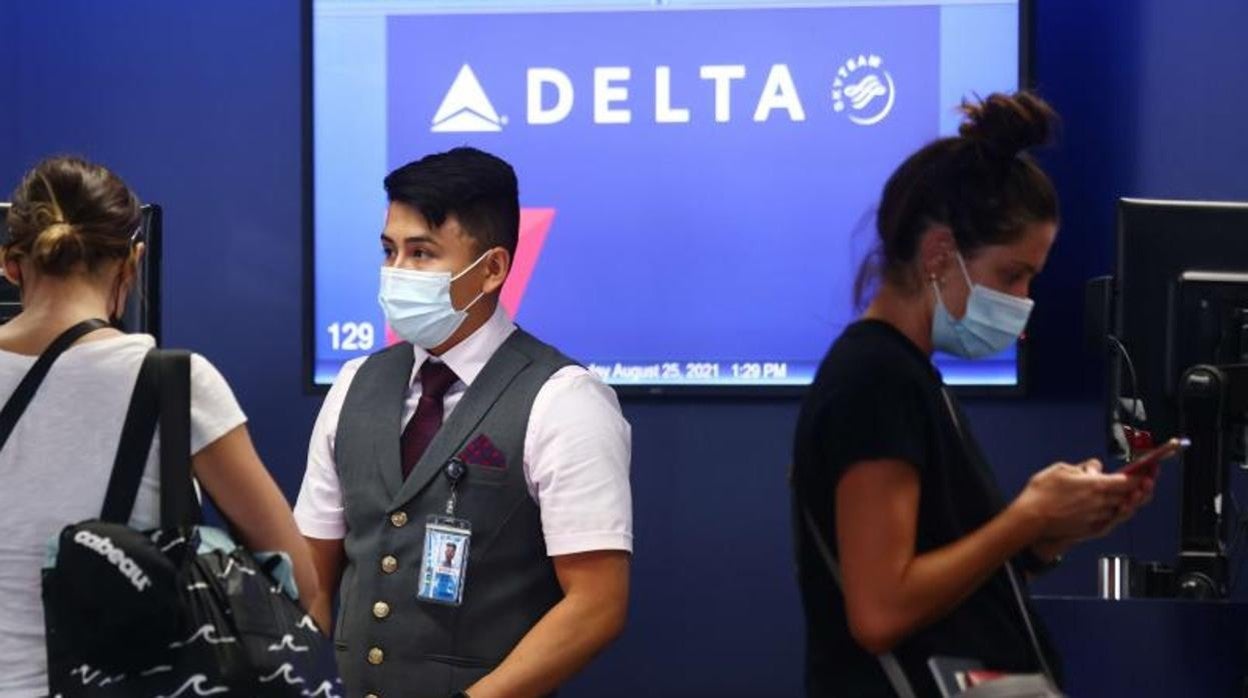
(444, 563)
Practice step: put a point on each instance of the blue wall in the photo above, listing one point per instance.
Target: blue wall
(200, 110)
(1193, 100)
(8, 98)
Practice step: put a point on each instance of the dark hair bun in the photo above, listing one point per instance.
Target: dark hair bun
(1008, 124)
(68, 213)
(58, 247)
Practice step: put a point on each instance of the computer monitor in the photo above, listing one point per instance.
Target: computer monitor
(1182, 318)
(1207, 321)
(1181, 278)
(142, 312)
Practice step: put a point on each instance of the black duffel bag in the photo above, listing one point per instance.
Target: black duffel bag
(178, 611)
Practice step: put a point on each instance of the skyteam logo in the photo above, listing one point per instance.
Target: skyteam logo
(466, 108)
(868, 89)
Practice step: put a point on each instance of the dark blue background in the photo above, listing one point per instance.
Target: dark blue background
(198, 106)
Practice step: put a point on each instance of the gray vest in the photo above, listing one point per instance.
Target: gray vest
(388, 643)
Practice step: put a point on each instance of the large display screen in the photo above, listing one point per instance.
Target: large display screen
(698, 184)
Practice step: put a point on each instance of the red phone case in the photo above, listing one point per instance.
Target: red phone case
(1152, 458)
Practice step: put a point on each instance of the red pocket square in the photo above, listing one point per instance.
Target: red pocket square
(483, 452)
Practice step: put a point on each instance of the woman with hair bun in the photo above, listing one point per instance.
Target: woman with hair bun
(73, 250)
(888, 479)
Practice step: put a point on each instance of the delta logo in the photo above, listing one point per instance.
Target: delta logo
(862, 89)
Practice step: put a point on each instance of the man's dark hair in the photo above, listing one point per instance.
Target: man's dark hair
(477, 188)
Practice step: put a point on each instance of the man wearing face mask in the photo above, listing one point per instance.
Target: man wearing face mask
(906, 548)
(470, 435)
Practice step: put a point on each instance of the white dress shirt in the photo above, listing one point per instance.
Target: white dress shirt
(576, 450)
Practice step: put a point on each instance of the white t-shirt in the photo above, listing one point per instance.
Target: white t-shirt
(55, 468)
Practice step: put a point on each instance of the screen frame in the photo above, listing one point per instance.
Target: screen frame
(1026, 46)
(1136, 218)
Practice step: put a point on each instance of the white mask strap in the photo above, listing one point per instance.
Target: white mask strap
(471, 266)
(965, 275)
(465, 271)
(471, 303)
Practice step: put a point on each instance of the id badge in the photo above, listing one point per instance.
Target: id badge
(444, 564)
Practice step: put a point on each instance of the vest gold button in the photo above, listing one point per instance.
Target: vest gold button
(389, 564)
(398, 519)
(376, 656)
(381, 609)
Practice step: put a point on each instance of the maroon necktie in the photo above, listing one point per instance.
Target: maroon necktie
(435, 380)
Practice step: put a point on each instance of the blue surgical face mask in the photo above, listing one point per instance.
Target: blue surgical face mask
(418, 305)
(993, 321)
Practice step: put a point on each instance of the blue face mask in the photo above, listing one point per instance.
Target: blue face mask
(418, 305)
(993, 321)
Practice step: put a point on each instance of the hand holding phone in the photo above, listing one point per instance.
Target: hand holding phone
(1146, 464)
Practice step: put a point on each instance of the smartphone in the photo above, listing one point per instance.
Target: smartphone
(1146, 463)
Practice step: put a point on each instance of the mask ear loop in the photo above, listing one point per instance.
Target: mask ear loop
(472, 302)
(931, 279)
(962, 265)
(472, 266)
(467, 269)
(970, 285)
(116, 315)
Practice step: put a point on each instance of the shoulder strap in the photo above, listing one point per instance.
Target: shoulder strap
(888, 662)
(25, 391)
(162, 394)
(178, 504)
(136, 442)
(1009, 567)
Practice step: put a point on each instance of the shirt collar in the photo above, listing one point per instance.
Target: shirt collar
(468, 357)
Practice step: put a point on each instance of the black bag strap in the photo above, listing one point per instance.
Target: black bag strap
(1009, 567)
(136, 442)
(888, 661)
(25, 391)
(162, 393)
(179, 505)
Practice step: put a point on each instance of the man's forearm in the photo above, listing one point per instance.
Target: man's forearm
(327, 558)
(561, 644)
